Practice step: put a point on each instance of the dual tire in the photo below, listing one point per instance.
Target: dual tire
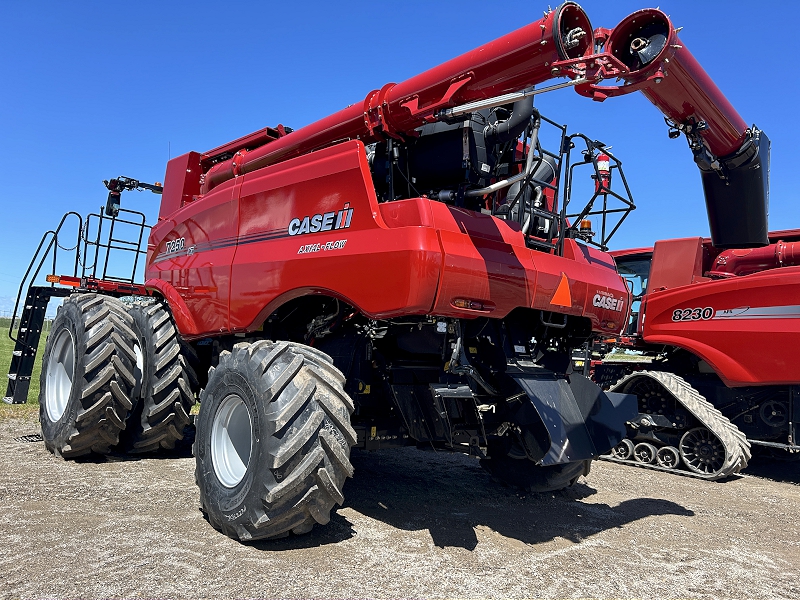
(165, 385)
(273, 439)
(88, 376)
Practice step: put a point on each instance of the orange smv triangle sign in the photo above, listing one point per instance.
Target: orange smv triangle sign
(562, 297)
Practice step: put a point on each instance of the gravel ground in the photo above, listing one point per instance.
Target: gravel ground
(415, 524)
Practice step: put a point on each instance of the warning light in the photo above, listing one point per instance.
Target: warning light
(53, 278)
(468, 304)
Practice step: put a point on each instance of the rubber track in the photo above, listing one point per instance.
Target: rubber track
(737, 448)
(307, 403)
(108, 379)
(167, 398)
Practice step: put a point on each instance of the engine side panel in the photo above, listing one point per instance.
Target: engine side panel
(313, 225)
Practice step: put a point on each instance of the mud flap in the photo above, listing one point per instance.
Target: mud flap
(568, 420)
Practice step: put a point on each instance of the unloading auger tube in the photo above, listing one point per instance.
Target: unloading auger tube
(514, 62)
(704, 442)
(643, 50)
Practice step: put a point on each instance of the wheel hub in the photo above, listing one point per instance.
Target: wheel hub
(60, 374)
(231, 441)
(702, 451)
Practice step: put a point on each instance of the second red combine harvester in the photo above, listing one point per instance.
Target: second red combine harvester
(411, 270)
(713, 367)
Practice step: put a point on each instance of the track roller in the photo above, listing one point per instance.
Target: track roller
(677, 428)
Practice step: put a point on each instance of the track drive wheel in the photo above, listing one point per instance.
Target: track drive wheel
(87, 379)
(165, 383)
(273, 440)
(702, 451)
(508, 464)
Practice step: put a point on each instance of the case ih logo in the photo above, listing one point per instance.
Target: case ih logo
(603, 300)
(322, 222)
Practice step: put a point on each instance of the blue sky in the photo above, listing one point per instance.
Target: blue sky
(93, 90)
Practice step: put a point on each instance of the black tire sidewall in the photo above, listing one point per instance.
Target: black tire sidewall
(56, 433)
(144, 339)
(229, 504)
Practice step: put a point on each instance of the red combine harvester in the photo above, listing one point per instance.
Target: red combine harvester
(714, 368)
(411, 270)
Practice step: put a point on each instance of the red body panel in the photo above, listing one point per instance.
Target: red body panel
(752, 322)
(199, 271)
(241, 260)
(752, 335)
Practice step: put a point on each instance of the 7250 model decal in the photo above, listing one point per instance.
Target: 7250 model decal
(692, 314)
(176, 245)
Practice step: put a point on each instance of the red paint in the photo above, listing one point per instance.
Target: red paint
(742, 352)
(419, 258)
(747, 350)
(674, 81)
(733, 263)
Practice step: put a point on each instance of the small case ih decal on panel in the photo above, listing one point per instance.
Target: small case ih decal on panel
(607, 301)
(322, 222)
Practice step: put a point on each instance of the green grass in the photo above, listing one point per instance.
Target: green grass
(620, 357)
(6, 349)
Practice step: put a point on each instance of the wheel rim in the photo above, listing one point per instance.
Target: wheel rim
(60, 373)
(775, 413)
(231, 441)
(702, 451)
(652, 397)
(623, 450)
(668, 457)
(644, 453)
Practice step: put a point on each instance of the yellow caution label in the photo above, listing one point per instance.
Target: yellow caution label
(373, 432)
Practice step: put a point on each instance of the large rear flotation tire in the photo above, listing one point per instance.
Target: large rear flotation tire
(164, 384)
(85, 393)
(513, 468)
(273, 440)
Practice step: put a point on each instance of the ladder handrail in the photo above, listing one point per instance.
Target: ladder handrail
(53, 234)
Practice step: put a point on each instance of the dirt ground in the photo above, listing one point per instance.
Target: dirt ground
(415, 524)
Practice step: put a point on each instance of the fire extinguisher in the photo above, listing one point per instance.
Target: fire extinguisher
(603, 177)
